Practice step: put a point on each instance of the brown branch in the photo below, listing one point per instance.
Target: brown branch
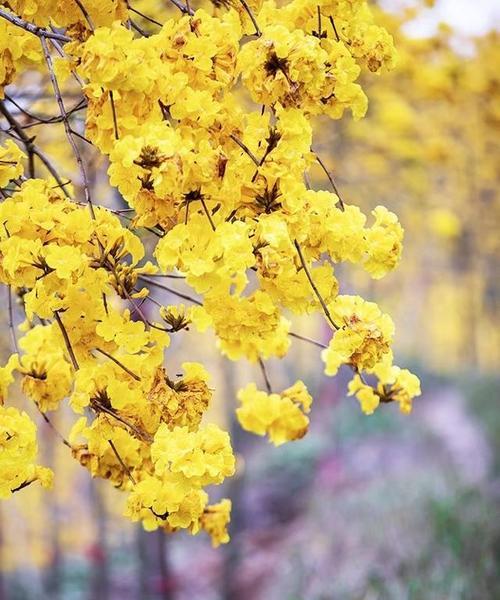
(182, 7)
(265, 376)
(331, 180)
(334, 28)
(113, 112)
(137, 12)
(67, 128)
(32, 28)
(51, 425)
(23, 485)
(139, 30)
(306, 339)
(66, 340)
(313, 285)
(120, 460)
(172, 291)
(245, 149)
(249, 12)
(140, 434)
(85, 14)
(209, 216)
(29, 145)
(45, 119)
(117, 362)
(11, 319)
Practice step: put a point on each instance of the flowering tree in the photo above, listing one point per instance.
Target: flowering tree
(441, 171)
(205, 118)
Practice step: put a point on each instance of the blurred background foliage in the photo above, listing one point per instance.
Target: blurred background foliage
(379, 507)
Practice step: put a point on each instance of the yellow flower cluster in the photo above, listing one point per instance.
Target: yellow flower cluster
(74, 271)
(184, 462)
(214, 521)
(10, 162)
(224, 185)
(18, 50)
(61, 13)
(18, 450)
(363, 335)
(281, 416)
(182, 72)
(295, 69)
(394, 385)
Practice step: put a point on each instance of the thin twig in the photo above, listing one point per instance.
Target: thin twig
(113, 111)
(334, 28)
(139, 30)
(307, 339)
(140, 434)
(265, 376)
(172, 291)
(137, 12)
(331, 180)
(313, 285)
(67, 341)
(11, 319)
(245, 149)
(41, 120)
(117, 362)
(85, 14)
(51, 425)
(32, 28)
(182, 7)
(23, 485)
(249, 12)
(30, 145)
(120, 460)
(67, 128)
(209, 216)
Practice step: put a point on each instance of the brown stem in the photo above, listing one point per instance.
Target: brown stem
(249, 12)
(121, 365)
(172, 291)
(67, 128)
(52, 426)
(30, 146)
(11, 319)
(245, 149)
(113, 111)
(209, 216)
(32, 28)
(120, 460)
(66, 340)
(306, 339)
(331, 180)
(313, 285)
(85, 14)
(140, 434)
(264, 374)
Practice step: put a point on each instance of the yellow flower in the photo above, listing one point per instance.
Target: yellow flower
(18, 450)
(10, 162)
(281, 416)
(6, 377)
(364, 334)
(215, 520)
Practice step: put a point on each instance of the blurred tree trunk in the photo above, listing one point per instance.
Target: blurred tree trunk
(52, 578)
(166, 588)
(235, 491)
(142, 562)
(100, 584)
(2, 562)
(155, 578)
